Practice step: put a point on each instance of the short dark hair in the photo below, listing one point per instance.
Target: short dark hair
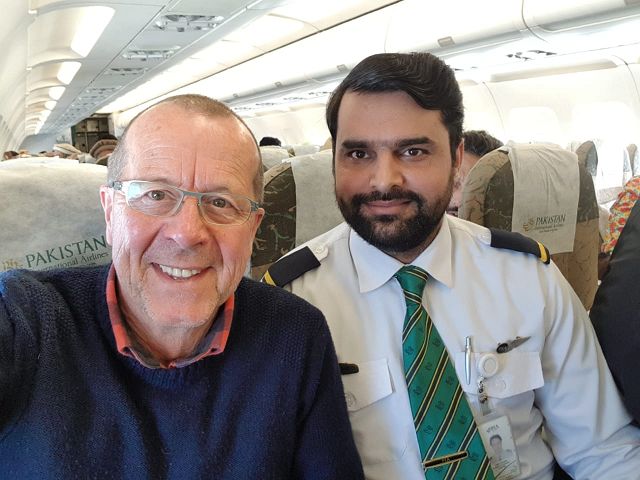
(495, 437)
(424, 77)
(193, 103)
(268, 141)
(479, 142)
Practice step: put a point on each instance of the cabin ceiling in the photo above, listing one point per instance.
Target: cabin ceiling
(300, 48)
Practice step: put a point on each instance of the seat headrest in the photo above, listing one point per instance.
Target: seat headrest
(273, 155)
(51, 216)
(299, 203)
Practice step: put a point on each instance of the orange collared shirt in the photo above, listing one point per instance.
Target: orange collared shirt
(212, 344)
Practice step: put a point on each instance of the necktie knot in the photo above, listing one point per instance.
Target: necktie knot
(412, 279)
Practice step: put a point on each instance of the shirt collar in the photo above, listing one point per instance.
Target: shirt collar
(374, 267)
(213, 343)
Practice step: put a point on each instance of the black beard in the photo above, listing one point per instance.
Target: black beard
(409, 232)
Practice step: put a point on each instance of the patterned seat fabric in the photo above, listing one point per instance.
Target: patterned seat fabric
(299, 204)
(634, 159)
(488, 199)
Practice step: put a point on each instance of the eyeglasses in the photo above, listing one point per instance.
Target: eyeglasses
(160, 200)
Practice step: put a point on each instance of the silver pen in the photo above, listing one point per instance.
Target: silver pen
(467, 360)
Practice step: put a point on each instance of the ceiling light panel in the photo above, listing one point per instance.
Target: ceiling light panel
(93, 23)
(67, 71)
(48, 41)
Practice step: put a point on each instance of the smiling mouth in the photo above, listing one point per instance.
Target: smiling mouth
(178, 273)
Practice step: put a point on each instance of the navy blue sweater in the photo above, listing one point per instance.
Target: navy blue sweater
(270, 407)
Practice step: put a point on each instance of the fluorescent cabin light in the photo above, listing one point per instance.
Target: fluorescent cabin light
(45, 113)
(56, 92)
(265, 30)
(50, 104)
(67, 71)
(93, 23)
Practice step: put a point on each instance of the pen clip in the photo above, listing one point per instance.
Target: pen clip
(467, 360)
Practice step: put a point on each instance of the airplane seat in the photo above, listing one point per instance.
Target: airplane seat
(299, 204)
(272, 156)
(51, 214)
(608, 163)
(634, 159)
(299, 150)
(543, 192)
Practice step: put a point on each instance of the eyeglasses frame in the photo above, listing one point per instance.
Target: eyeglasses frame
(119, 185)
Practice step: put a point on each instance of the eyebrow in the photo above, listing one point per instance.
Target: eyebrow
(405, 142)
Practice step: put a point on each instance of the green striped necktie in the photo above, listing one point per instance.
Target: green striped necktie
(450, 444)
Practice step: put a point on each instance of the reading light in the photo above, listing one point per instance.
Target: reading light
(50, 104)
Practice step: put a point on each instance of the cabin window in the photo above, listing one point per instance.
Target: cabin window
(534, 124)
(605, 120)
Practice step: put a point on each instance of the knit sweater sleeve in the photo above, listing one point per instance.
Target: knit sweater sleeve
(18, 348)
(325, 445)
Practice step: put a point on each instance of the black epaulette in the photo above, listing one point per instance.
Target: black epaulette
(519, 243)
(288, 268)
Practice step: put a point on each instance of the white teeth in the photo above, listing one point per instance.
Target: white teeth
(179, 273)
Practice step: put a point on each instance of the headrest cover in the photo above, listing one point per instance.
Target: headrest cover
(65, 148)
(51, 216)
(102, 146)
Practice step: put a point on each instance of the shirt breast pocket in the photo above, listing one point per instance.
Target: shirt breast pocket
(518, 372)
(373, 409)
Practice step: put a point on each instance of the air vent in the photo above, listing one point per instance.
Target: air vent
(319, 94)
(102, 92)
(126, 71)
(187, 23)
(530, 55)
(241, 109)
(144, 55)
(294, 99)
(266, 104)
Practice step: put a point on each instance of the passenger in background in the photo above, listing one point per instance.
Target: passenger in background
(65, 150)
(103, 148)
(477, 143)
(447, 331)
(168, 363)
(620, 211)
(270, 142)
(8, 155)
(616, 312)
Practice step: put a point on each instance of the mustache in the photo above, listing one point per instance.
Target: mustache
(396, 194)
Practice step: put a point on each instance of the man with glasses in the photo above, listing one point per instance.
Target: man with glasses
(168, 363)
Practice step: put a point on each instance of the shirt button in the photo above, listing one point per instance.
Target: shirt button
(501, 384)
(319, 249)
(351, 400)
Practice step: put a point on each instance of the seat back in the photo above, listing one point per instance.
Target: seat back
(51, 215)
(537, 200)
(272, 156)
(634, 159)
(299, 203)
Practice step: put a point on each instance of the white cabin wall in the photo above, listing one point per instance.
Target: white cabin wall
(38, 143)
(296, 127)
(481, 112)
(568, 107)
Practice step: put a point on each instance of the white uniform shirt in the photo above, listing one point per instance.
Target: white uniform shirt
(558, 378)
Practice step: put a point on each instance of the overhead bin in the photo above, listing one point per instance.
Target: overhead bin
(579, 20)
(437, 27)
(335, 55)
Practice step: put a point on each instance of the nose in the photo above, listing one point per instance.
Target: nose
(387, 173)
(187, 227)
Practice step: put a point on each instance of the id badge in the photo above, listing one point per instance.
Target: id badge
(500, 447)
